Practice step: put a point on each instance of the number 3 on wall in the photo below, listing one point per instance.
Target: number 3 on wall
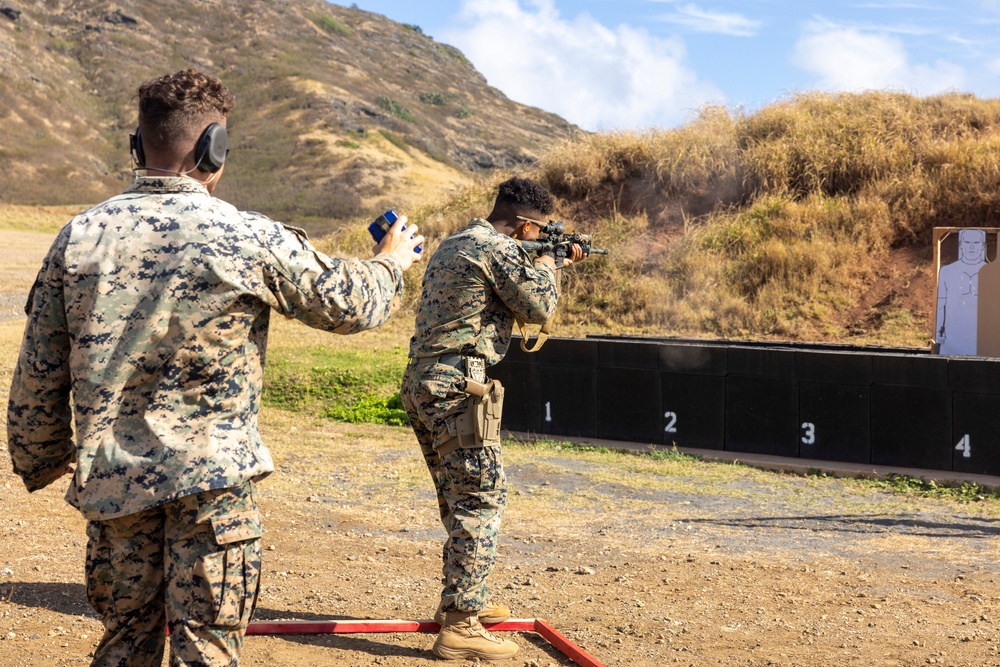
(808, 433)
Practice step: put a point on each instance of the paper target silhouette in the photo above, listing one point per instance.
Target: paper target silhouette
(966, 322)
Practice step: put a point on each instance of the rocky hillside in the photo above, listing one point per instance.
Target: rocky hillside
(340, 111)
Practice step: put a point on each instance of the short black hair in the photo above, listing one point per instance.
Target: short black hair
(174, 109)
(524, 194)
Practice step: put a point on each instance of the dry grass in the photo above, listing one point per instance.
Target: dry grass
(42, 219)
(782, 224)
(790, 223)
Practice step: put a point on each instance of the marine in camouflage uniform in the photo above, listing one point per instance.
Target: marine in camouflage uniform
(478, 280)
(147, 324)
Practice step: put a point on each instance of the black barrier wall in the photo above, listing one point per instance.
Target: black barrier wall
(878, 406)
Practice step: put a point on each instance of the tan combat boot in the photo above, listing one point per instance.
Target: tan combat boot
(463, 636)
(491, 613)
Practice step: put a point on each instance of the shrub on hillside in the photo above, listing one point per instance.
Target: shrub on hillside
(775, 224)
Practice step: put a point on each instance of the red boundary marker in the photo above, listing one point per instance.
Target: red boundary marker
(543, 628)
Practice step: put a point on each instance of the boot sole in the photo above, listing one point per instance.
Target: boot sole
(493, 619)
(462, 654)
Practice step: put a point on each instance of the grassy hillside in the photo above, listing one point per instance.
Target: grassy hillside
(339, 111)
(808, 220)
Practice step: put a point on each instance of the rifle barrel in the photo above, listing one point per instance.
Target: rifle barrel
(538, 246)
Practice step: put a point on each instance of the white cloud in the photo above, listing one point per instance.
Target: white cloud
(696, 18)
(594, 76)
(852, 60)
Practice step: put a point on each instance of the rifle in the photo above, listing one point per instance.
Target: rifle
(553, 240)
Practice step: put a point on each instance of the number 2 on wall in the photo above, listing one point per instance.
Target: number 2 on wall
(671, 418)
(965, 446)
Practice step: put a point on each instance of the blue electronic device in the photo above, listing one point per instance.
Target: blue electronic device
(380, 227)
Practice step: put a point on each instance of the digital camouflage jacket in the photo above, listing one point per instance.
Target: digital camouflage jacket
(147, 327)
(476, 283)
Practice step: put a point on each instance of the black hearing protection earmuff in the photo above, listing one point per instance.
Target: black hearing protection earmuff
(209, 153)
(212, 148)
(135, 147)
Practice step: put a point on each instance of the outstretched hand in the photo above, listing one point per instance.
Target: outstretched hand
(401, 244)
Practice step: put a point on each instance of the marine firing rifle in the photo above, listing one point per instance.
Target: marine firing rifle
(553, 240)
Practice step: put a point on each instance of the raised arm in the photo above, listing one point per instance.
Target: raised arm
(341, 295)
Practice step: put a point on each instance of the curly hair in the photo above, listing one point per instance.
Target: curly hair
(175, 108)
(524, 194)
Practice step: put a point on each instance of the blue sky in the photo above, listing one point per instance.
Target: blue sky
(637, 64)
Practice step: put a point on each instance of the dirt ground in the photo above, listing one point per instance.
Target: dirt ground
(639, 561)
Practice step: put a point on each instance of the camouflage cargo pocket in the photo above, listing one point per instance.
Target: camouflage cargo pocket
(477, 472)
(100, 573)
(230, 578)
(438, 398)
(124, 566)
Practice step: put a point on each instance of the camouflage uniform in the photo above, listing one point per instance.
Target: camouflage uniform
(208, 545)
(151, 310)
(476, 283)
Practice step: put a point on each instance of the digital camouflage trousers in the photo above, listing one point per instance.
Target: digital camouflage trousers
(471, 485)
(191, 565)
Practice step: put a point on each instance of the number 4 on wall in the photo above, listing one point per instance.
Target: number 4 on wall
(964, 445)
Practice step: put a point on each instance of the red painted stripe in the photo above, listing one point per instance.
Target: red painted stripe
(512, 625)
(568, 648)
(337, 627)
(543, 628)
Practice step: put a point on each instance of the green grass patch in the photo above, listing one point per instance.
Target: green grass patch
(357, 386)
(395, 108)
(436, 99)
(452, 52)
(393, 139)
(332, 26)
(557, 445)
(371, 409)
(656, 454)
(967, 492)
